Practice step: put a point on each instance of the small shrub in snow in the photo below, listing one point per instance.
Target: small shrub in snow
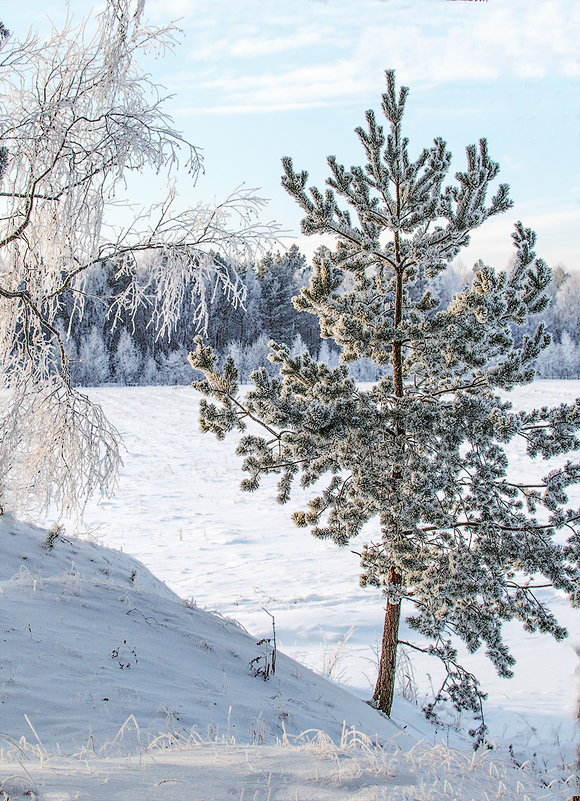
(125, 656)
(264, 664)
(54, 533)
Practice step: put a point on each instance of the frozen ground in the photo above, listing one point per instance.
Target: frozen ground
(319, 771)
(178, 509)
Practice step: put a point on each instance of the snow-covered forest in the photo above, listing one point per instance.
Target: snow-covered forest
(130, 351)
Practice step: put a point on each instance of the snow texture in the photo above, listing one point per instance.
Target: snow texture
(95, 633)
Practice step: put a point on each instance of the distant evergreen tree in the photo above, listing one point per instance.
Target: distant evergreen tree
(93, 368)
(257, 357)
(281, 277)
(298, 346)
(128, 360)
(567, 306)
(423, 449)
(150, 372)
(173, 368)
(277, 283)
(251, 325)
(328, 355)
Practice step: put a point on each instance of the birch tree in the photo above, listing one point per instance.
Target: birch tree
(417, 462)
(78, 115)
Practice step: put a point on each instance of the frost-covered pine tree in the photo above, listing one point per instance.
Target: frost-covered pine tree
(128, 360)
(93, 368)
(420, 456)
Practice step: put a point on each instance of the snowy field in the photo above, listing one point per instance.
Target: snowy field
(179, 510)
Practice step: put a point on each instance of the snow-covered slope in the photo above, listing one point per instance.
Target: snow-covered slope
(151, 698)
(90, 638)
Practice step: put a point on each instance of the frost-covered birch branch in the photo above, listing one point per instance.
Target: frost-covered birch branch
(78, 115)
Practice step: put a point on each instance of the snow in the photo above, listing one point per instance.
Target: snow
(103, 666)
(314, 772)
(106, 640)
(111, 684)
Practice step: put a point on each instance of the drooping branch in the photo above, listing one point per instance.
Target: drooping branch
(78, 114)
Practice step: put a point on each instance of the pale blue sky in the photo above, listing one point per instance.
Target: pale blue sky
(258, 79)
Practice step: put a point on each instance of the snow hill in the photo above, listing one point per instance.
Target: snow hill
(113, 687)
(90, 639)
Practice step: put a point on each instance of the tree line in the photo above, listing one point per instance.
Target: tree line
(108, 347)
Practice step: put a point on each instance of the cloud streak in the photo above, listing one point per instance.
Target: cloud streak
(342, 53)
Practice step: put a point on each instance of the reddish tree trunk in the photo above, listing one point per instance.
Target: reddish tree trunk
(385, 687)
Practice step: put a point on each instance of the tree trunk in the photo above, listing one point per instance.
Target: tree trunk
(385, 687)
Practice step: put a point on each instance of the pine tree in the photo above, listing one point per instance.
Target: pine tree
(279, 277)
(94, 359)
(128, 360)
(423, 450)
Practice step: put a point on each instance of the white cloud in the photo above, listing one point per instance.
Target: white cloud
(474, 43)
(254, 45)
(250, 108)
(558, 236)
(302, 85)
(278, 44)
(344, 52)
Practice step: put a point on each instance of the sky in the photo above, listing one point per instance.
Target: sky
(254, 80)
